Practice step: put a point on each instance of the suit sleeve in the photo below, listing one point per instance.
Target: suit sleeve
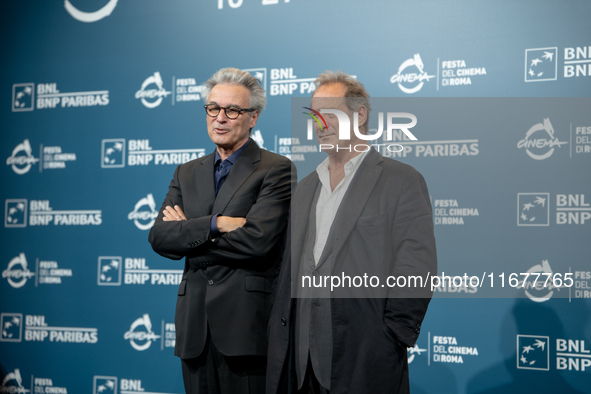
(415, 255)
(265, 223)
(176, 239)
(266, 220)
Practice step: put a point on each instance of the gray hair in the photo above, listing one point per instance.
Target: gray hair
(234, 76)
(355, 92)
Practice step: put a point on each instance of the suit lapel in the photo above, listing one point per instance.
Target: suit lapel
(354, 201)
(241, 170)
(205, 184)
(303, 200)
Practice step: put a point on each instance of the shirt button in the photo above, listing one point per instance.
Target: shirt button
(210, 282)
(283, 322)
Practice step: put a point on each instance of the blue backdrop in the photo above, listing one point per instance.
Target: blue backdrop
(100, 100)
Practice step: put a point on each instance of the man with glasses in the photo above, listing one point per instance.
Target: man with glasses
(226, 213)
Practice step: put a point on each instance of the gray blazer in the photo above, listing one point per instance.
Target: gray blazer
(385, 219)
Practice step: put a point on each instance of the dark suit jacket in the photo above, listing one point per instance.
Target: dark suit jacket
(227, 281)
(387, 210)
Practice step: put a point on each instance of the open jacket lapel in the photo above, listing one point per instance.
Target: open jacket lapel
(354, 200)
(204, 184)
(301, 203)
(241, 170)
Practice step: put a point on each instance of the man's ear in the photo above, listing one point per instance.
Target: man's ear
(254, 118)
(363, 118)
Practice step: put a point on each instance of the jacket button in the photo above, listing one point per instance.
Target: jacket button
(283, 322)
(210, 282)
(316, 273)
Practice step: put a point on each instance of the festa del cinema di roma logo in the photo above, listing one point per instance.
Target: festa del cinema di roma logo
(142, 218)
(22, 158)
(543, 146)
(17, 271)
(136, 336)
(89, 17)
(405, 80)
(151, 98)
(345, 128)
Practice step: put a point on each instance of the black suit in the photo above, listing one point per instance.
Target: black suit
(384, 218)
(227, 281)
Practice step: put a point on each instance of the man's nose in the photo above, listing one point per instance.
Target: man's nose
(221, 118)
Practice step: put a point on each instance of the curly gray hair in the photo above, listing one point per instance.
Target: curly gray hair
(234, 76)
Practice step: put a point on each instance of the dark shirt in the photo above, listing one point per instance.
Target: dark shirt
(221, 169)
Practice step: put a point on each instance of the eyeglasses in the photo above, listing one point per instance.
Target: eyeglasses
(231, 112)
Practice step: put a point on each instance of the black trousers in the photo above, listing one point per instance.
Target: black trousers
(214, 373)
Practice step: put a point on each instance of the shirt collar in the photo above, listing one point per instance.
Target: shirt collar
(233, 157)
(350, 167)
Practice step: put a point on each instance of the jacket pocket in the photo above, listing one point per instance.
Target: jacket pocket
(257, 283)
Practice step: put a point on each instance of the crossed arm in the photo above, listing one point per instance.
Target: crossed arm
(225, 224)
(175, 236)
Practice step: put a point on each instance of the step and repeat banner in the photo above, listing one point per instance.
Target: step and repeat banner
(100, 101)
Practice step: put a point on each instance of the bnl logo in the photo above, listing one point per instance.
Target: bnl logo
(12, 327)
(104, 385)
(15, 213)
(533, 352)
(23, 97)
(541, 64)
(113, 153)
(109, 271)
(533, 209)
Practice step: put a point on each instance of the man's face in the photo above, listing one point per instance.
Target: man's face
(330, 96)
(230, 134)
